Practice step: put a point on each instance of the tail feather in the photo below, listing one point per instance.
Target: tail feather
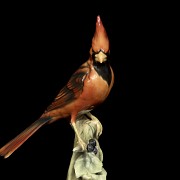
(16, 142)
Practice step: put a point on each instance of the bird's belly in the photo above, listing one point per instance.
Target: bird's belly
(96, 88)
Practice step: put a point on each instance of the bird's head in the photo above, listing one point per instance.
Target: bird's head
(100, 43)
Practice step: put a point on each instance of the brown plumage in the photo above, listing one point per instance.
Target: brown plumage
(88, 87)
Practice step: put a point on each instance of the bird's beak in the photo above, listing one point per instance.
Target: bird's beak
(101, 57)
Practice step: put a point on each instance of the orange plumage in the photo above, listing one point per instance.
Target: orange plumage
(88, 87)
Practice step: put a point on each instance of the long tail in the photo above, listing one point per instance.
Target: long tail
(16, 142)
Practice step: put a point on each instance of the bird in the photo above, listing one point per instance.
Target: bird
(87, 88)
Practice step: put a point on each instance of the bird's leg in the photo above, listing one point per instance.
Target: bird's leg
(80, 141)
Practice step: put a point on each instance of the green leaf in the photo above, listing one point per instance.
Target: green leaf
(99, 176)
(87, 164)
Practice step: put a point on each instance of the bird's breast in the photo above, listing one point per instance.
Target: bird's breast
(95, 89)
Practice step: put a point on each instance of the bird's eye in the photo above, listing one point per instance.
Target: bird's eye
(94, 57)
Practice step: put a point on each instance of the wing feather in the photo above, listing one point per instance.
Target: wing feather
(71, 90)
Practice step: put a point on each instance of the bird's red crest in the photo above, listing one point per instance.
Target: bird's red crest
(100, 39)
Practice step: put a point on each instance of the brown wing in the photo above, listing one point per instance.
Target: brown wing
(71, 91)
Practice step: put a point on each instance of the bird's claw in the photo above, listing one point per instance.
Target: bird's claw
(81, 146)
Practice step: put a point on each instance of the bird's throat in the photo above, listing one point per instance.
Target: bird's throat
(103, 70)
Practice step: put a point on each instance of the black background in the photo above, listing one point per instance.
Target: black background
(42, 45)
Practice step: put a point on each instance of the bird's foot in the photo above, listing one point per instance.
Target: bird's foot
(81, 146)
